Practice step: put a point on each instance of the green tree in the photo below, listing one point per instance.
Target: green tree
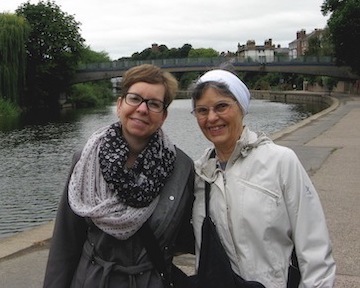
(162, 52)
(184, 50)
(92, 94)
(13, 33)
(344, 26)
(53, 51)
(188, 78)
(89, 56)
(314, 48)
(145, 54)
(327, 47)
(203, 52)
(320, 46)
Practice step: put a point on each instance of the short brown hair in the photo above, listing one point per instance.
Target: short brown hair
(153, 75)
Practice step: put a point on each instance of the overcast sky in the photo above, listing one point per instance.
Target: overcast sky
(122, 27)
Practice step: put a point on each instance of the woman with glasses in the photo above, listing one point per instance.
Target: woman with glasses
(261, 199)
(128, 177)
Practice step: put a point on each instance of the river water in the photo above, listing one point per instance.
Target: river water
(36, 152)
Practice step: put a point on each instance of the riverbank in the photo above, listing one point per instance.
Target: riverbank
(328, 146)
(294, 96)
(25, 241)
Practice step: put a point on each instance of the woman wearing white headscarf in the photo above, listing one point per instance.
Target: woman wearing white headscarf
(262, 201)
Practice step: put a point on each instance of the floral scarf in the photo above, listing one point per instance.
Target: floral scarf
(119, 199)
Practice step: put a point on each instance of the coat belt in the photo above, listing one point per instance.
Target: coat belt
(109, 266)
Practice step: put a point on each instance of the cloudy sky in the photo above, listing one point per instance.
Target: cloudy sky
(122, 27)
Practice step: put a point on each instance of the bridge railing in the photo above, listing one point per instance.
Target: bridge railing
(312, 59)
(124, 64)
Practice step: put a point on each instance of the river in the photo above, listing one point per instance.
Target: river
(35, 152)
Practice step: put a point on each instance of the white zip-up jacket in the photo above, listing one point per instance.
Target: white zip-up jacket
(263, 204)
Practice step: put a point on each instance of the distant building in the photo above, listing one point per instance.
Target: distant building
(299, 46)
(251, 52)
(155, 47)
(261, 53)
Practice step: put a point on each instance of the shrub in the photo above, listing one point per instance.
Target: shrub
(85, 95)
(8, 109)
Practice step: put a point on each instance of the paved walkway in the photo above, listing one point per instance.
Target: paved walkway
(328, 144)
(329, 148)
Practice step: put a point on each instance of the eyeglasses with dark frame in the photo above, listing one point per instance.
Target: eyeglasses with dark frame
(136, 100)
(220, 108)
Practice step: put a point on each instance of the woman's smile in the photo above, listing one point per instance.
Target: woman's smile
(216, 130)
(139, 121)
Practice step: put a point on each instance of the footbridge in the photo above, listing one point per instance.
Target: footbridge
(320, 66)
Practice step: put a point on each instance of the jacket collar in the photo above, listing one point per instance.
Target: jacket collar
(208, 167)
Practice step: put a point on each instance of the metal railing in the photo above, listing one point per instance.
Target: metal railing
(124, 64)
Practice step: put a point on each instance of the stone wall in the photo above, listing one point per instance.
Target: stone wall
(292, 96)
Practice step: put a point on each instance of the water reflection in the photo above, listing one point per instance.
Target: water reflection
(35, 152)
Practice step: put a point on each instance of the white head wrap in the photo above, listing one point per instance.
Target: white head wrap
(235, 85)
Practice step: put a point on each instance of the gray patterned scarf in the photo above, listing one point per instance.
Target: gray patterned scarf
(119, 199)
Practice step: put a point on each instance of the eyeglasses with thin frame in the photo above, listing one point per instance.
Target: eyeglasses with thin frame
(220, 108)
(136, 100)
